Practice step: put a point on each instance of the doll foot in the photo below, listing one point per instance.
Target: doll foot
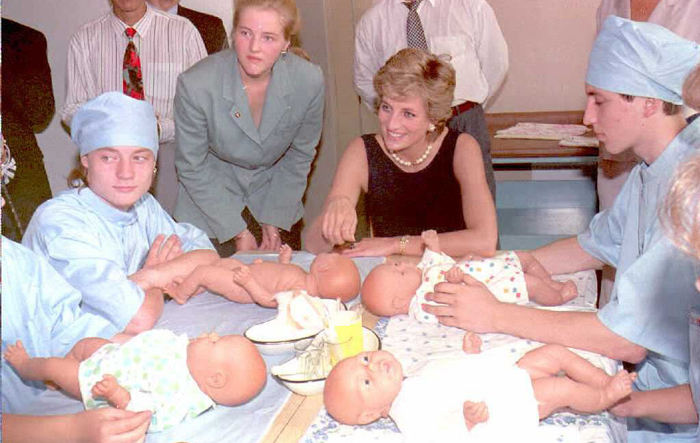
(17, 356)
(285, 254)
(569, 291)
(619, 387)
(471, 343)
(475, 413)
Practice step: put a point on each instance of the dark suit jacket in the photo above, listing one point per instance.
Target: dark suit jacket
(27, 107)
(210, 27)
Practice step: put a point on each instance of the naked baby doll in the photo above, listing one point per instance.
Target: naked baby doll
(400, 288)
(172, 376)
(331, 275)
(469, 398)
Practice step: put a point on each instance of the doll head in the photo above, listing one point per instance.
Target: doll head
(361, 389)
(229, 369)
(389, 288)
(334, 276)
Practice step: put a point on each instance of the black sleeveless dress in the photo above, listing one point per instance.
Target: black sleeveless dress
(402, 203)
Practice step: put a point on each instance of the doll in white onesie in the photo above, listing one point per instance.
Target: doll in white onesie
(470, 398)
(400, 288)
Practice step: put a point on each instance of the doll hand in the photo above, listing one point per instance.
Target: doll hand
(270, 238)
(471, 343)
(454, 275)
(242, 275)
(475, 413)
(109, 389)
(17, 356)
(339, 220)
(285, 254)
(431, 240)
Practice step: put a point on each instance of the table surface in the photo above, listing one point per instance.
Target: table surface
(523, 149)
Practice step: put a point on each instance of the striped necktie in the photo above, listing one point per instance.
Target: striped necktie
(132, 76)
(415, 37)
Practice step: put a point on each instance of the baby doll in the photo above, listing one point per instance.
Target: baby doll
(172, 376)
(331, 276)
(400, 288)
(469, 398)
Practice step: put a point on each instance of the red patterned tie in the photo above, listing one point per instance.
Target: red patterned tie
(132, 77)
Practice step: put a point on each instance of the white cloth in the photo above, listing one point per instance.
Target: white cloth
(153, 367)
(502, 275)
(429, 407)
(679, 16)
(467, 30)
(167, 45)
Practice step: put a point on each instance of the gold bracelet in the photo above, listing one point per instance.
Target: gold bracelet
(402, 244)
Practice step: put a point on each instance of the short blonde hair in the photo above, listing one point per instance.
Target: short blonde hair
(287, 10)
(681, 211)
(691, 89)
(414, 72)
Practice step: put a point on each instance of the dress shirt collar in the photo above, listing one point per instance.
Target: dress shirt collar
(105, 210)
(432, 2)
(665, 164)
(142, 26)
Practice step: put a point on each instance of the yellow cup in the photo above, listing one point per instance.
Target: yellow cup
(346, 332)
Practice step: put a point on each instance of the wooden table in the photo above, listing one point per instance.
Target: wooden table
(299, 412)
(507, 153)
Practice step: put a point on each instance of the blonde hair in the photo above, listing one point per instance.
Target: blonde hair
(681, 211)
(691, 89)
(287, 10)
(77, 177)
(413, 71)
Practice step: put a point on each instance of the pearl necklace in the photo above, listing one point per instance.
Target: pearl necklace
(416, 162)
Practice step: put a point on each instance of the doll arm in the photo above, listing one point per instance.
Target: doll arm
(244, 277)
(471, 344)
(431, 240)
(475, 413)
(110, 390)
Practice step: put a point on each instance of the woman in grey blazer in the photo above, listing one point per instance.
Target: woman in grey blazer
(248, 121)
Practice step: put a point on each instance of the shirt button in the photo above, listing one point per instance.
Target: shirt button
(237, 114)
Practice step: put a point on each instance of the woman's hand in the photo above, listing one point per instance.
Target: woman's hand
(110, 425)
(339, 220)
(163, 250)
(245, 241)
(270, 238)
(372, 247)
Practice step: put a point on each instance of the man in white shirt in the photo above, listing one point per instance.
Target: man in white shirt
(467, 30)
(167, 45)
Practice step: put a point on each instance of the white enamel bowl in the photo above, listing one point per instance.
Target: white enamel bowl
(291, 375)
(273, 338)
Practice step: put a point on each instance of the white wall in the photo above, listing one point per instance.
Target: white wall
(58, 19)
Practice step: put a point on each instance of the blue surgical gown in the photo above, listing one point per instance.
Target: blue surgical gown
(654, 288)
(40, 308)
(96, 247)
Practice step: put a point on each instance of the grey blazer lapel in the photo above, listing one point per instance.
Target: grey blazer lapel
(276, 104)
(233, 92)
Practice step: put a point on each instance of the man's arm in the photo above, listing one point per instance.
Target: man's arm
(367, 62)
(492, 50)
(79, 87)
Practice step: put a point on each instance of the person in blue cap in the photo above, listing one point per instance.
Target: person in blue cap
(104, 230)
(43, 311)
(634, 82)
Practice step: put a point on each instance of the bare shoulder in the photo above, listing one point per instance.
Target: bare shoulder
(467, 145)
(467, 157)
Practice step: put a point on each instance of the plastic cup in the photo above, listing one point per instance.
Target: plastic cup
(346, 333)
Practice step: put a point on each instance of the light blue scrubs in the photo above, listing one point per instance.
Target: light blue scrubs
(694, 320)
(40, 308)
(96, 247)
(654, 288)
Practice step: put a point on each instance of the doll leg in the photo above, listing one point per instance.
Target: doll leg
(217, 277)
(285, 254)
(84, 348)
(553, 393)
(547, 292)
(61, 371)
(549, 360)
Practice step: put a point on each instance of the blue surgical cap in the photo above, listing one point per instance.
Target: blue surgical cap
(115, 119)
(641, 59)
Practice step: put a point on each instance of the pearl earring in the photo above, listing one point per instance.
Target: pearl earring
(155, 170)
(431, 128)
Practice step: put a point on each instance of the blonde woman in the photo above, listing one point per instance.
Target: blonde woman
(416, 173)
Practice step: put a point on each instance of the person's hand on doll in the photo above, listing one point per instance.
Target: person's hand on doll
(339, 221)
(469, 306)
(431, 240)
(110, 425)
(454, 275)
(163, 250)
(475, 413)
(270, 238)
(471, 343)
(373, 247)
(245, 241)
